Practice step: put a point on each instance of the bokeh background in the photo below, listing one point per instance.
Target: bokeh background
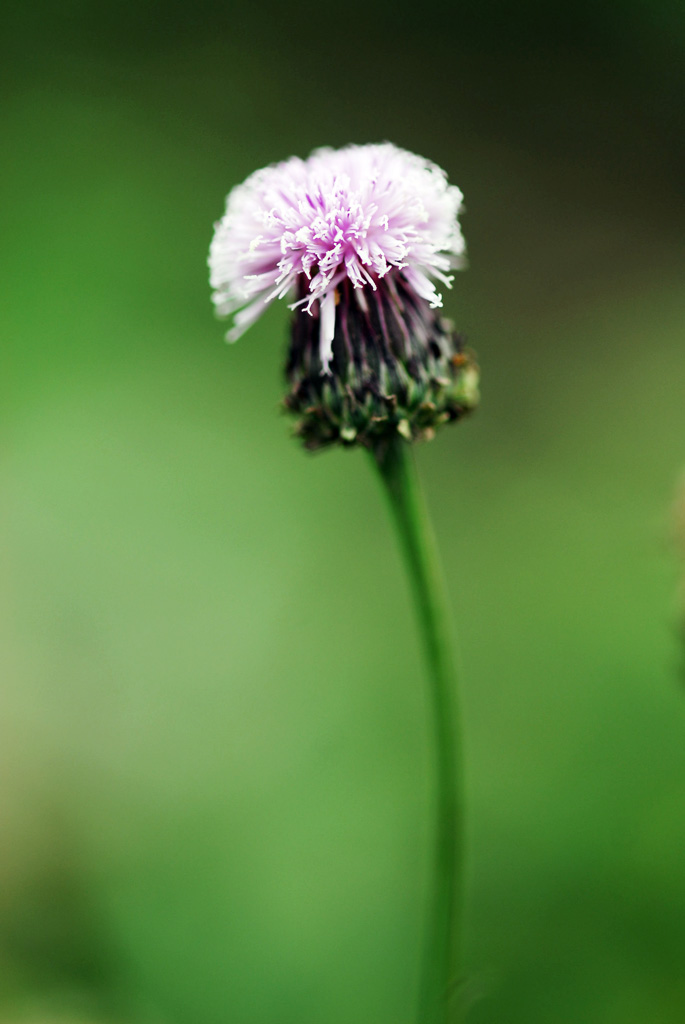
(214, 761)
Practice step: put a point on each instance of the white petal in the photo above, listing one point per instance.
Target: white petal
(327, 328)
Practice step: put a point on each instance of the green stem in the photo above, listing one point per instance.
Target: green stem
(396, 464)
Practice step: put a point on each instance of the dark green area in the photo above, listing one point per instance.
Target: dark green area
(213, 763)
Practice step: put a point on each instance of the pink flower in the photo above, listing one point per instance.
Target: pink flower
(356, 214)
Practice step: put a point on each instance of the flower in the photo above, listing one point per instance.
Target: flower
(354, 213)
(361, 235)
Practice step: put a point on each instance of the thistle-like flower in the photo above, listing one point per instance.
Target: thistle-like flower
(358, 237)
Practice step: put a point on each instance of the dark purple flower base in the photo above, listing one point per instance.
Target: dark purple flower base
(397, 367)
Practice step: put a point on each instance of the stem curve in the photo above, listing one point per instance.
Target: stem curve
(439, 975)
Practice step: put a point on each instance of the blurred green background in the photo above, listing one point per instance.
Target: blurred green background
(214, 762)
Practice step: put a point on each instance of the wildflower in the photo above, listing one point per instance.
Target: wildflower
(359, 237)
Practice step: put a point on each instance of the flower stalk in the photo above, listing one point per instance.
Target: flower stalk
(440, 969)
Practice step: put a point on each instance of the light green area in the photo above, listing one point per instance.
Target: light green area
(213, 763)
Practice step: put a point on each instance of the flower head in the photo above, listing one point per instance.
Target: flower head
(359, 237)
